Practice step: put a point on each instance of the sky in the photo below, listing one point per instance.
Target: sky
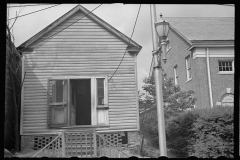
(120, 16)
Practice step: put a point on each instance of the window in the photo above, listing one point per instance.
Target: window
(57, 102)
(77, 101)
(188, 68)
(102, 107)
(168, 47)
(225, 67)
(228, 100)
(175, 75)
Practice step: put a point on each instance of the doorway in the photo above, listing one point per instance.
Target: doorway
(80, 95)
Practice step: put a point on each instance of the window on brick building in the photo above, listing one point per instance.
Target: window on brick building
(188, 67)
(168, 45)
(225, 67)
(175, 75)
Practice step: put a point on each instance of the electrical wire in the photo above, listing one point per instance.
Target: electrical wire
(17, 17)
(33, 12)
(70, 24)
(128, 43)
(28, 5)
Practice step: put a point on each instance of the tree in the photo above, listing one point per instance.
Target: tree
(175, 101)
(174, 98)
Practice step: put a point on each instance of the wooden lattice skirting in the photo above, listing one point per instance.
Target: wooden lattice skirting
(114, 138)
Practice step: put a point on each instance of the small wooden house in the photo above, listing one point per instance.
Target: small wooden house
(71, 78)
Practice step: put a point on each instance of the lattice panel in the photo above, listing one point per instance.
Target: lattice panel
(40, 142)
(114, 138)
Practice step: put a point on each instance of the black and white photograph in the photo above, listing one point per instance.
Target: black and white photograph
(119, 80)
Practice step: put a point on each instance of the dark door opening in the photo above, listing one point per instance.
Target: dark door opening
(81, 90)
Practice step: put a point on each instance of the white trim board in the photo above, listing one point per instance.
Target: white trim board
(216, 56)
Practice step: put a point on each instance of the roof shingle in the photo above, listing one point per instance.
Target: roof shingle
(204, 28)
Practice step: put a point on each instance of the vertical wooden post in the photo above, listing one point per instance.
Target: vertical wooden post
(59, 146)
(63, 144)
(91, 143)
(86, 143)
(94, 142)
(81, 143)
(76, 140)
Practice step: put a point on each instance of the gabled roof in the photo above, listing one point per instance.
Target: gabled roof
(132, 45)
(203, 28)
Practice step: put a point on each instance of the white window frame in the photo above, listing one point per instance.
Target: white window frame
(96, 110)
(168, 47)
(175, 75)
(188, 67)
(102, 110)
(226, 72)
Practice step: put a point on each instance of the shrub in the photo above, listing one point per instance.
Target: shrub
(178, 131)
(204, 133)
(213, 133)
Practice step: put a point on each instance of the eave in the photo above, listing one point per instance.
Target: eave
(211, 43)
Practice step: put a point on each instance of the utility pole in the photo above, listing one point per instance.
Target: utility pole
(158, 84)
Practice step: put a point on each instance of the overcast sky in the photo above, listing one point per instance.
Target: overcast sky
(120, 16)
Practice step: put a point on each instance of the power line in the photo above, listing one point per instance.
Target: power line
(28, 5)
(69, 25)
(17, 17)
(33, 12)
(128, 43)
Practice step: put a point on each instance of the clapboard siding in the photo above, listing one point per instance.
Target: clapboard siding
(83, 49)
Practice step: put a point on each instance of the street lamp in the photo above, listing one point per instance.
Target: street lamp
(162, 29)
(159, 34)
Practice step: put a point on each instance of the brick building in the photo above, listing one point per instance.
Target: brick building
(200, 57)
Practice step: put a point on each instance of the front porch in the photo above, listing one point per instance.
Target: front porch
(85, 143)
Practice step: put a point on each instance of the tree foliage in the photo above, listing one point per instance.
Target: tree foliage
(213, 134)
(175, 100)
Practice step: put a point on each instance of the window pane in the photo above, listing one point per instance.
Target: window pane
(100, 100)
(59, 116)
(59, 91)
(189, 73)
(100, 92)
(220, 68)
(100, 82)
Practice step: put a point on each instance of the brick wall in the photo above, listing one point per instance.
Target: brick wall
(220, 81)
(199, 82)
(176, 56)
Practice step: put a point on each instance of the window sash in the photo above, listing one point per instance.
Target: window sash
(188, 67)
(101, 92)
(225, 66)
(175, 75)
(57, 115)
(102, 108)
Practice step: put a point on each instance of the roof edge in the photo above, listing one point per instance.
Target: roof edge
(181, 35)
(91, 15)
(212, 43)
